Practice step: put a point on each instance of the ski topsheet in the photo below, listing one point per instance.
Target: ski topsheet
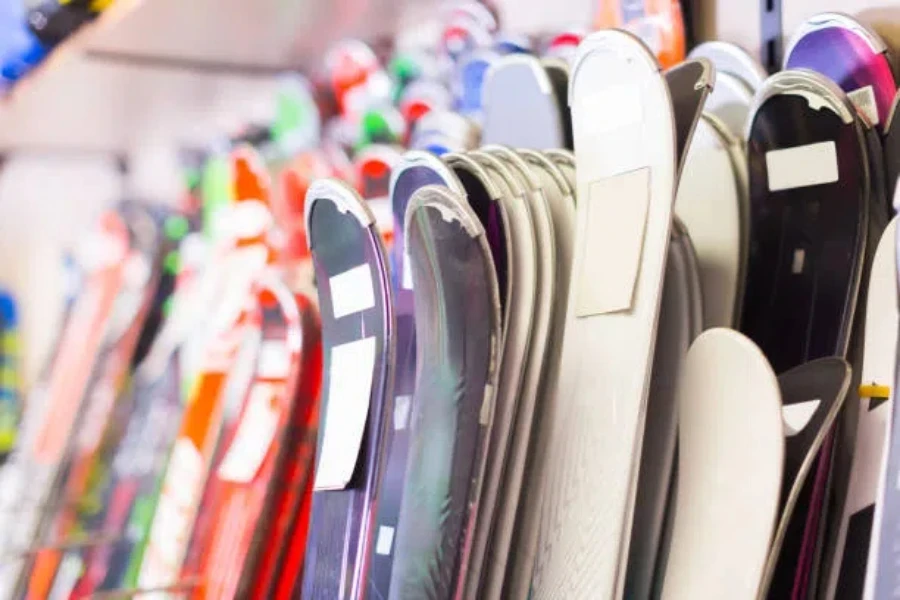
(232, 334)
(416, 170)
(458, 331)
(283, 392)
(709, 203)
(884, 578)
(545, 200)
(738, 76)
(812, 395)
(689, 85)
(809, 212)
(357, 310)
(680, 321)
(521, 108)
(856, 58)
(135, 479)
(105, 409)
(56, 403)
(730, 458)
(864, 503)
(850, 54)
(625, 140)
(483, 196)
(518, 333)
(522, 532)
(877, 343)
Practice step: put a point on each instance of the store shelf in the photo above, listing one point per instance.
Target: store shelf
(247, 36)
(178, 72)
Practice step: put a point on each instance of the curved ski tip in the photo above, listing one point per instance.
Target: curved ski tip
(561, 156)
(521, 62)
(725, 337)
(457, 160)
(624, 44)
(451, 205)
(707, 77)
(733, 59)
(538, 160)
(510, 156)
(826, 20)
(818, 91)
(417, 159)
(341, 195)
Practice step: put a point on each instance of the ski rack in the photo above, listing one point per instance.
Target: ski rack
(771, 47)
(183, 585)
(71, 544)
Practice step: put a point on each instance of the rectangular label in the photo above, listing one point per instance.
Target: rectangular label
(864, 101)
(352, 291)
(802, 166)
(349, 393)
(613, 107)
(273, 360)
(407, 271)
(385, 541)
(401, 412)
(254, 436)
(613, 242)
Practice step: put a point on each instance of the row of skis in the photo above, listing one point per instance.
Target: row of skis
(606, 331)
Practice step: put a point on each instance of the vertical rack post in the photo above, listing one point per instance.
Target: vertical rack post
(771, 45)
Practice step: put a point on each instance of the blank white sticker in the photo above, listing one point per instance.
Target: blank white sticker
(799, 261)
(274, 360)
(352, 291)
(385, 541)
(797, 416)
(254, 436)
(612, 243)
(613, 107)
(401, 412)
(802, 166)
(864, 101)
(349, 393)
(407, 271)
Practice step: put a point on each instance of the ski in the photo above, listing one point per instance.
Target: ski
(357, 310)
(730, 461)
(458, 330)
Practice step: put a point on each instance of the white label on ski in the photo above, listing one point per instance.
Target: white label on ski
(613, 107)
(352, 291)
(401, 412)
(802, 166)
(253, 438)
(170, 533)
(67, 576)
(349, 394)
(612, 235)
(274, 360)
(385, 541)
(797, 416)
(487, 406)
(799, 261)
(231, 287)
(864, 101)
(407, 271)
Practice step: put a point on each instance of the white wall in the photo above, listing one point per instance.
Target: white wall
(45, 202)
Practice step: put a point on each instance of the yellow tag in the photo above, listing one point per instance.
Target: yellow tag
(100, 5)
(873, 390)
